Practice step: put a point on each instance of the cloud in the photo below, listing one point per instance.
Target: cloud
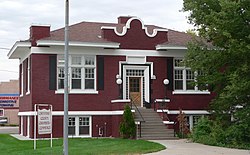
(16, 16)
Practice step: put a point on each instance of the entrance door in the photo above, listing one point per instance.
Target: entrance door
(135, 90)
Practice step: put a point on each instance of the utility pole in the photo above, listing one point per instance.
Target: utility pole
(66, 79)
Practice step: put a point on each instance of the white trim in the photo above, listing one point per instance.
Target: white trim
(17, 44)
(168, 122)
(21, 132)
(116, 52)
(75, 91)
(180, 92)
(73, 113)
(162, 100)
(28, 76)
(128, 24)
(22, 80)
(170, 47)
(28, 126)
(187, 112)
(77, 43)
(120, 101)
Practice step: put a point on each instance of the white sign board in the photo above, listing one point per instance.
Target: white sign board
(44, 121)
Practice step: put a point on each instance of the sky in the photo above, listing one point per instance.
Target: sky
(16, 17)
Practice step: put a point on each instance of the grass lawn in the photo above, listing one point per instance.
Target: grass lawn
(77, 146)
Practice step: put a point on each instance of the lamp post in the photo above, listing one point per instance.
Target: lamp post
(119, 82)
(165, 82)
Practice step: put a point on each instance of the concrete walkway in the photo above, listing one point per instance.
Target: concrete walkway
(182, 147)
(8, 130)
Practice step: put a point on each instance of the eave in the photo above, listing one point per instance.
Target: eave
(170, 47)
(18, 49)
(77, 43)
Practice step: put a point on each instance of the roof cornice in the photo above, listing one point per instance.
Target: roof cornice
(127, 26)
(170, 47)
(16, 46)
(76, 43)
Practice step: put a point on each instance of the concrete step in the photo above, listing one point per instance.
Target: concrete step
(153, 127)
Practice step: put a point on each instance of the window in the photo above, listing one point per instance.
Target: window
(72, 124)
(1, 112)
(81, 71)
(83, 125)
(196, 120)
(79, 126)
(183, 76)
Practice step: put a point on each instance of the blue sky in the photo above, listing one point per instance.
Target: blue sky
(16, 16)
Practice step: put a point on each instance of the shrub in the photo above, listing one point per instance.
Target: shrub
(127, 126)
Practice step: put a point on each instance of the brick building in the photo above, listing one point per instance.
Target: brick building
(110, 65)
(9, 102)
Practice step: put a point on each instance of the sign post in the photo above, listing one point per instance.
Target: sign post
(44, 120)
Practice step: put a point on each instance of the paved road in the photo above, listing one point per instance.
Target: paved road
(182, 147)
(8, 130)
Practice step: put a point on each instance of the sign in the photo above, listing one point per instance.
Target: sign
(44, 121)
(8, 100)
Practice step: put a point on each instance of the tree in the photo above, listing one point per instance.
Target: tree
(224, 59)
(127, 126)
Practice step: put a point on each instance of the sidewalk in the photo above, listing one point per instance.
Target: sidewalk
(182, 147)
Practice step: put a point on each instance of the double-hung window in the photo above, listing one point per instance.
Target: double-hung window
(183, 77)
(81, 72)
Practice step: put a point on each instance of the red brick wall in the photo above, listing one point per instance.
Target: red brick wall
(185, 102)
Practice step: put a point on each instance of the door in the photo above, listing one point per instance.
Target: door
(135, 90)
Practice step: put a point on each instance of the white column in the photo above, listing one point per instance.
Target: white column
(77, 125)
(191, 122)
(21, 125)
(28, 126)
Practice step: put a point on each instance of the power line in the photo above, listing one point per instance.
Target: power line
(8, 71)
(3, 48)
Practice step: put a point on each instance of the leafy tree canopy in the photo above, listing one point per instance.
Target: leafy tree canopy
(225, 57)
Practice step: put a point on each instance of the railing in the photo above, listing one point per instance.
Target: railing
(141, 117)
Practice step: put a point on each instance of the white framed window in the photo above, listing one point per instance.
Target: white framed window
(79, 126)
(184, 79)
(183, 76)
(82, 73)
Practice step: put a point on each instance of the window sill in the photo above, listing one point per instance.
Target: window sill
(61, 91)
(180, 92)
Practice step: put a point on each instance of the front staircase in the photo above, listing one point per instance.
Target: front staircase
(152, 126)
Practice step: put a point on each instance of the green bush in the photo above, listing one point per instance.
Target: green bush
(127, 126)
(214, 133)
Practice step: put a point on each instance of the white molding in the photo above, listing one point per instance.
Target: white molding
(77, 43)
(127, 26)
(168, 122)
(176, 92)
(170, 47)
(18, 44)
(187, 112)
(162, 100)
(75, 113)
(120, 101)
(72, 91)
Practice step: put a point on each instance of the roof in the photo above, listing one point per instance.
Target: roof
(92, 32)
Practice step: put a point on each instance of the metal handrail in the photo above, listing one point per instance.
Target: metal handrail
(132, 103)
(142, 119)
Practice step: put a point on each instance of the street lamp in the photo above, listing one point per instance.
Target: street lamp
(165, 82)
(119, 82)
